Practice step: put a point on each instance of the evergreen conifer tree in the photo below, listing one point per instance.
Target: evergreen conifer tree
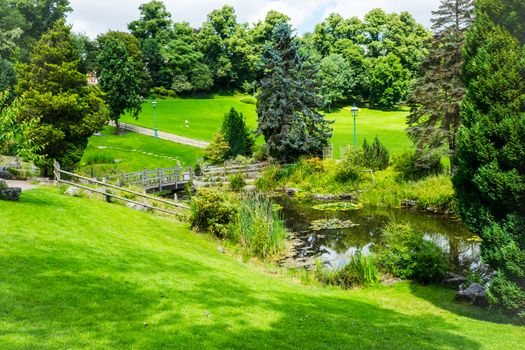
(438, 91)
(237, 134)
(56, 101)
(288, 101)
(490, 181)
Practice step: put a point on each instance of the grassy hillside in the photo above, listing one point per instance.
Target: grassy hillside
(79, 273)
(205, 117)
(134, 152)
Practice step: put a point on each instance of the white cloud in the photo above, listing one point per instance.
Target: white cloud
(93, 17)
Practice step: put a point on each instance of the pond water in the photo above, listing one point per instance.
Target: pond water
(336, 246)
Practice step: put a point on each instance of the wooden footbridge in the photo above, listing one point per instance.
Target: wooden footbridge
(167, 179)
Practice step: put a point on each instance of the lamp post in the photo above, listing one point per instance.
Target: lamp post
(355, 111)
(155, 131)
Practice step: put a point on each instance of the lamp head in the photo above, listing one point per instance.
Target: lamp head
(355, 111)
(154, 103)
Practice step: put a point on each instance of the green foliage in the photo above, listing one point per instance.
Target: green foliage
(258, 227)
(360, 271)
(287, 102)
(218, 149)
(7, 75)
(237, 134)
(237, 182)
(375, 156)
(162, 92)
(437, 93)
(350, 169)
(249, 100)
(412, 166)
(335, 79)
(490, 181)
(406, 254)
(154, 22)
(389, 81)
(55, 99)
(213, 210)
(119, 79)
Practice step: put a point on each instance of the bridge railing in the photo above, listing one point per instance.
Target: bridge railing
(158, 178)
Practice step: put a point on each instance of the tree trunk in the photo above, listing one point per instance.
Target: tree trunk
(117, 125)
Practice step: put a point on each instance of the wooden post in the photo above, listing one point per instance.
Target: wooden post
(56, 170)
(191, 173)
(108, 198)
(159, 172)
(177, 174)
(119, 181)
(144, 176)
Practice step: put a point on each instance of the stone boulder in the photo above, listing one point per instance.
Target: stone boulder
(347, 197)
(454, 281)
(324, 197)
(136, 207)
(72, 191)
(291, 192)
(4, 174)
(474, 294)
(9, 194)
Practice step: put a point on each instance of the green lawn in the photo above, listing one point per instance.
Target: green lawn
(203, 114)
(134, 152)
(205, 118)
(80, 273)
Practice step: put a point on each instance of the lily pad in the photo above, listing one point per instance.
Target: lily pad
(338, 206)
(331, 224)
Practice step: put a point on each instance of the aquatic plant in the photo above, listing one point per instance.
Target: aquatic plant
(338, 206)
(331, 224)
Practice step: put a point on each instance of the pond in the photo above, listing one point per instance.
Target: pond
(310, 239)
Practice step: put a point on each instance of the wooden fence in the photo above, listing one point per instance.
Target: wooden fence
(107, 192)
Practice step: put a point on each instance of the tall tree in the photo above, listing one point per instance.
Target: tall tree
(288, 101)
(39, 16)
(55, 98)
(154, 22)
(226, 48)
(119, 80)
(185, 61)
(490, 180)
(335, 79)
(438, 91)
(388, 81)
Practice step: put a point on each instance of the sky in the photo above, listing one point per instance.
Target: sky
(93, 17)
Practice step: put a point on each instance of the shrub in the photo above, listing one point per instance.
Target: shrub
(262, 153)
(415, 166)
(406, 254)
(249, 100)
(351, 167)
(162, 92)
(213, 211)
(237, 182)
(360, 271)
(376, 156)
(258, 227)
(218, 149)
(269, 179)
(197, 169)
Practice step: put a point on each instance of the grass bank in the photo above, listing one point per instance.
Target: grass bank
(78, 273)
(133, 152)
(205, 118)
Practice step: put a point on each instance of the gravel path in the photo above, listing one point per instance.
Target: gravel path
(24, 185)
(162, 135)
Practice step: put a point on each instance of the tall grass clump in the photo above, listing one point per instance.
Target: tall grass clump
(258, 226)
(237, 182)
(98, 157)
(361, 271)
(213, 211)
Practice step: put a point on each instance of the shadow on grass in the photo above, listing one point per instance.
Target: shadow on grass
(434, 295)
(49, 300)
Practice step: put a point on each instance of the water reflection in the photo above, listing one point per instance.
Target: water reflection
(338, 245)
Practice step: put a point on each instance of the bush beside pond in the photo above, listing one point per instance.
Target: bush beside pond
(248, 220)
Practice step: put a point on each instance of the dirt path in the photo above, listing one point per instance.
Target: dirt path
(162, 135)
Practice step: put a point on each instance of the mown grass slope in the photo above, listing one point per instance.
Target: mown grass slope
(80, 273)
(205, 118)
(134, 152)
